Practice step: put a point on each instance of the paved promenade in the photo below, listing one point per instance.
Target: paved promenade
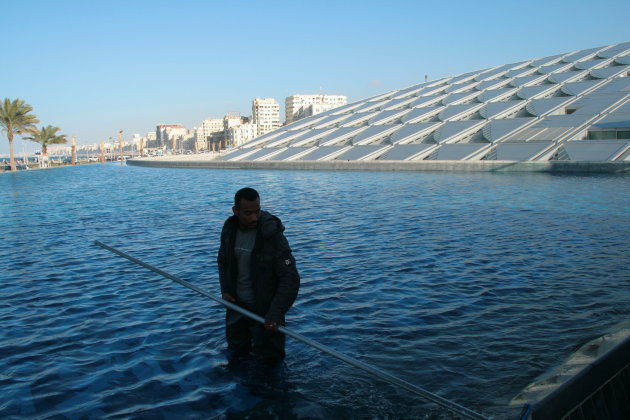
(210, 161)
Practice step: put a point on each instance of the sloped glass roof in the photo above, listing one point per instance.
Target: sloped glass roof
(596, 150)
(515, 111)
(263, 152)
(359, 152)
(495, 109)
(420, 114)
(496, 129)
(405, 151)
(290, 153)
(340, 135)
(324, 152)
(457, 151)
(374, 133)
(407, 133)
(310, 137)
(539, 107)
(520, 151)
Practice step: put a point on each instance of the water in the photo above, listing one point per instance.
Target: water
(468, 285)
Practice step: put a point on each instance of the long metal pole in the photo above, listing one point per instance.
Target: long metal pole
(454, 407)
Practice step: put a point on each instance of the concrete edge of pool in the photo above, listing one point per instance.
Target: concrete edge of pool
(211, 162)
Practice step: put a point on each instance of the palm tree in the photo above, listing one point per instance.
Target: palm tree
(16, 118)
(48, 135)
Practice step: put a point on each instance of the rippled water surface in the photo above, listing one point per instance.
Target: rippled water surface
(467, 285)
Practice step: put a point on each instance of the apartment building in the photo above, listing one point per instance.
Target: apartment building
(266, 115)
(302, 106)
(240, 134)
(205, 132)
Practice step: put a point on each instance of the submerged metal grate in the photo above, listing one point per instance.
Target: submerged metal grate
(610, 401)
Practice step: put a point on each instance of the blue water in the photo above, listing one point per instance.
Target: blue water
(467, 285)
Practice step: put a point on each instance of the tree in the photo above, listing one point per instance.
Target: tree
(48, 135)
(16, 118)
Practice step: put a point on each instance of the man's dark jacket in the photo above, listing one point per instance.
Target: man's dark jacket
(274, 276)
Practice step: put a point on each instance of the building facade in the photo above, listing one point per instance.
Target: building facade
(266, 115)
(205, 132)
(167, 135)
(240, 134)
(302, 106)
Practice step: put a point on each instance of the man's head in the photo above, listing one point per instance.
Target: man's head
(247, 208)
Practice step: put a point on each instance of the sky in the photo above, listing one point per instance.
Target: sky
(95, 67)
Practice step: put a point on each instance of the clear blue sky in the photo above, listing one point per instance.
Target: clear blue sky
(94, 67)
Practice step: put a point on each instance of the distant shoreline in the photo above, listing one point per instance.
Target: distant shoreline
(211, 162)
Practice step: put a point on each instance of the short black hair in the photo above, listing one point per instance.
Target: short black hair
(246, 193)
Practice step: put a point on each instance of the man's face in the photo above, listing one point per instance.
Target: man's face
(247, 213)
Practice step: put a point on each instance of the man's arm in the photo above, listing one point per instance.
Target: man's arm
(288, 282)
(222, 265)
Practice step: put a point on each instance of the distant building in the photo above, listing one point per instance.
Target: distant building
(266, 115)
(167, 135)
(237, 129)
(205, 132)
(302, 106)
(239, 134)
(151, 137)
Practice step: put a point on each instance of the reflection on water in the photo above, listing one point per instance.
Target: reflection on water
(467, 285)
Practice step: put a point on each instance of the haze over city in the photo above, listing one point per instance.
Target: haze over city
(96, 68)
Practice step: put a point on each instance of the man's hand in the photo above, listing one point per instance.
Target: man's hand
(271, 325)
(228, 297)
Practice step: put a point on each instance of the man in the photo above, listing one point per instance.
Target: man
(257, 272)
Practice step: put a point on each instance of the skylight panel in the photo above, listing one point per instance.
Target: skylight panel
(578, 88)
(397, 103)
(595, 104)
(411, 132)
(530, 92)
(495, 109)
(360, 152)
(421, 114)
(458, 151)
(554, 68)
(262, 153)
(492, 95)
(455, 111)
(283, 139)
(340, 135)
(453, 129)
(402, 152)
(291, 153)
(565, 76)
(332, 121)
(324, 153)
(539, 107)
(310, 137)
(614, 50)
(495, 130)
(520, 151)
(374, 134)
(237, 154)
(546, 61)
(425, 101)
(580, 55)
(595, 150)
(609, 72)
(385, 117)
(454, 98)
(357, 119)
(527, 80)
(588, 64)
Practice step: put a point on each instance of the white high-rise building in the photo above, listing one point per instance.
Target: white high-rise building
(266, 115)
(301, 106)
